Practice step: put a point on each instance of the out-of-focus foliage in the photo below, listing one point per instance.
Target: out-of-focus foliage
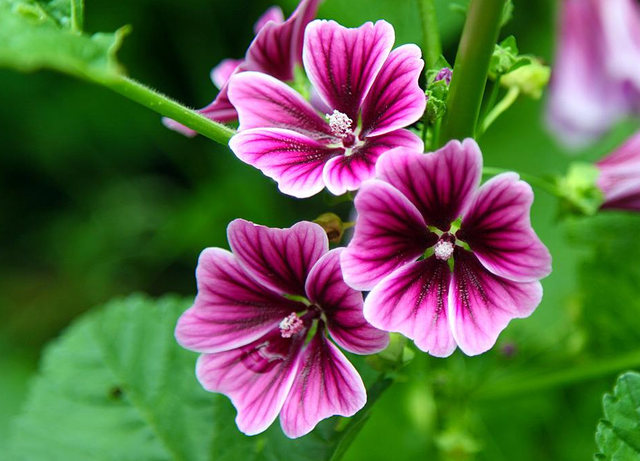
(97, 200)
(48, 33)
(618, 434)
(609, 302)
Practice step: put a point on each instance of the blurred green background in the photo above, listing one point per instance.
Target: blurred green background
(98, 199)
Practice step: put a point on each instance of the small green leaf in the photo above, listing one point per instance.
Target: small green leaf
(618, 435)
(580, 191)
(39, 34)
(529, 76)
(507, 13)
(436, 108)
(505, 58)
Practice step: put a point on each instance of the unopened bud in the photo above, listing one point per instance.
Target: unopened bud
(530, 79)
(332, 225)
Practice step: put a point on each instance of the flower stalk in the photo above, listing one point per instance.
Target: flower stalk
(471, 69)
(432, 47)
(169, 108)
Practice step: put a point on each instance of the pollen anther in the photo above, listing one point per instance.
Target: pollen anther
(443, 250)
(340, 124)
(291, 325)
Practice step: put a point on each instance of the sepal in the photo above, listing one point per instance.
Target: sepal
(580, 192)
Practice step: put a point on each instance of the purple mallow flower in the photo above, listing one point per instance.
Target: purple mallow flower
(363, 94)
(408, 236)
(595, 81)
(276, 50)
(252, 318)
(619, 178)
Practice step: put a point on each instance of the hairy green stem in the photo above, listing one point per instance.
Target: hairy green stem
(431, 46)
(345, 438)
(528, 382)
(169, 108)
(469, 79)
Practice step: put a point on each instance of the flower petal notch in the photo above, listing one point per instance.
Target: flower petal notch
(369, 93)
(448, 263)
(261, 319)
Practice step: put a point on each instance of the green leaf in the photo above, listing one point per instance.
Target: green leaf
(618, 435)
(507, 13)
(116, 386)
(39, 34)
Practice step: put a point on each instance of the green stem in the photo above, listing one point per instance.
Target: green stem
(493, 97)
(469, 79)
(528, 382)
(345, 438)
(432, 48)
(499, 109)
(169, 108)
(544, 184)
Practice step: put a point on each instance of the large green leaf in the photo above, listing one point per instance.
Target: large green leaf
(37, 34)
(618, 435)
(116, 387)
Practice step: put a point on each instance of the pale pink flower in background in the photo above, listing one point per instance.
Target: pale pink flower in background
(595, 81)
(619, 178)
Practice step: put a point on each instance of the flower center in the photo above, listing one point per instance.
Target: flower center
(443, 250)
(340, 124)
(291, 325)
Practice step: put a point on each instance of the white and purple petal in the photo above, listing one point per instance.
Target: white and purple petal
(619, 178)
(326, 385)
(482, 304)
(621, 28)
(279, 259)
(395, 99)
(276, 48)
(389, 233)
(347, 172)
(257, 378)
(273, 13)
(413, 301)
(497, 227)
(342, 307)
(231, 308)
(440, 184)
(221, 74)
(265, 102)
(293, 160)
(343, 63)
